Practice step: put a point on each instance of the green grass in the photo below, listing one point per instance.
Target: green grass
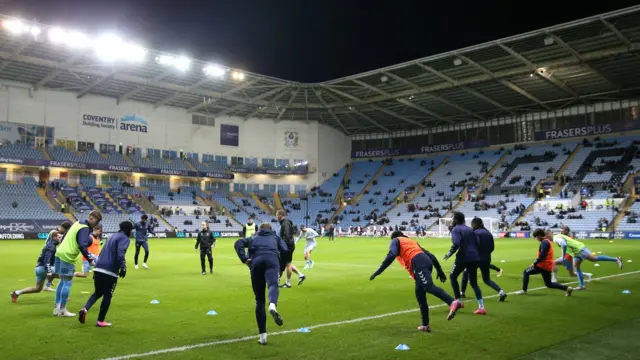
(337, 289)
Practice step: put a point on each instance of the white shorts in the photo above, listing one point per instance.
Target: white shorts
(310, 247)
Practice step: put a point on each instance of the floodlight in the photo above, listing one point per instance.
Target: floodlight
(56, 35)
(237, 75)
(182, 63)
(213, 70)
(35, 31)
(15, 26)
(77, 40)
(166, 60)
(134, 53)
(109, 47)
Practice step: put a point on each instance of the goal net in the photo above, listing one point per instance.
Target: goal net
(444, 223)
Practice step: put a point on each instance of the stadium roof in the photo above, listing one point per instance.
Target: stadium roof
(588, 60)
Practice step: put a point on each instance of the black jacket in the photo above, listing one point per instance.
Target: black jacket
(205, 240)
(286, 232)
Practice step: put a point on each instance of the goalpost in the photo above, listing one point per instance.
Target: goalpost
(490, 224)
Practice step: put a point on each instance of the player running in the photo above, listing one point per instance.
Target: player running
(286, 258)
(310, 235)
(580, 253)
(94, 249)
(263, 260)
(567, 260)
(142, 234)
(419, 263)
(542, 265)
(485, 247)
(109, 266)
(465, 244)
(45, 263)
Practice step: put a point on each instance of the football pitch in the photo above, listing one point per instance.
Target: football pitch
(349, 316)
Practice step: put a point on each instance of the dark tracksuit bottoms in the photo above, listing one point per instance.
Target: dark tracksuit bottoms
(422, 269)
(264, 274)
(145, 246)
(104, 285)
(206, 253)
(485, 268)
(472, 271)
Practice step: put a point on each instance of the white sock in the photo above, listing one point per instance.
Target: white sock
(272, 306)
(18, 292)
(300, 275)
(263, 338)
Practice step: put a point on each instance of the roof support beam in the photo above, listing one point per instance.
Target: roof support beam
(373, 106)
(177, 94)
(331, 112)
(154, 81)
(506, 83)
(437, 97)
(546, 76)
(16, 52)
(284, 109)
(404, 101)
(360, 113)
(259, 97)
(582, 60)
(623, 39)
(272, 101)
(456, 83)
(96, 83)
(222, 96)
(52, 75)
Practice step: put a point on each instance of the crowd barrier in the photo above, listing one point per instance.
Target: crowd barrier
(159, 235)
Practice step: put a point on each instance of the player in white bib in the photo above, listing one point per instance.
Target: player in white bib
(310, 235)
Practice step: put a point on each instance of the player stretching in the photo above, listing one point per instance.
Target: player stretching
(566, 260)
(286, 234)
(206, 241)
(44, 266)
(310, 235)
(486, 247)
(142, 233)
(75, 242)
(264, 262)
(465, 243)
(110, 265)
(62, 229)
(543, 265)
(94, 249)
(581, 253)
(419, 263)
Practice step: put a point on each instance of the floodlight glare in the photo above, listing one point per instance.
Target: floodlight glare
(56, 35)
(35, 31)
(182, 63)
(77, 40)
(213, 70)
(109, 48)
(166, 60)
(134, 53)
(15, 26)
(237, 75)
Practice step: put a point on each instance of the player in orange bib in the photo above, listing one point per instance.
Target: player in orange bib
(543, 265)
(419, 263)
(93, 248)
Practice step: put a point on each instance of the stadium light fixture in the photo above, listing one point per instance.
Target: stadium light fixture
(182, 63)
(237, 75)
(56, 35)
(76, 40)
(18, 27)
(214, 70)
(109, 47)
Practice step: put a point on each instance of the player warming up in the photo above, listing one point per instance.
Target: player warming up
(94, 249)
(542, 265)
(310, 235)
(263, 261)
(579, 252)
(206, 241)
(142, 234)
(44, 265)
(465, 244)
(419, 263)
(286, 259)
(62, 229)
(485, 247)
(74, 244)
(111, 264)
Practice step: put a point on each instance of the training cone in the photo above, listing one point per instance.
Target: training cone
(626, 292)
(629, 261)
(304, 330)
(596, 265)
(403, 347)
(599, 252)
(212, 312)
(155, 302)
(502, 261)
(610, 241)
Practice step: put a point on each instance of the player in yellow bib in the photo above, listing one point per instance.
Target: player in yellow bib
(580, 253)
(73, 247)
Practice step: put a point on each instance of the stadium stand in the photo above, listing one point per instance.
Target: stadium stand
(631, 220)
(321, 199)
(91, 156)
(20, 151)
(29, 205)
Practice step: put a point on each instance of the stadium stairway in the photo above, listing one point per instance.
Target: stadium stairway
(558, 187)
(277, 201)
(129, 161)
(190, 166)
(262, 205)
(45, 153)
(117, 205)
(624, 206)
(89, 200)
(217, 205)
(47, 200)
(484, 181)
(366, 188)
(145, 204)
(164, 222)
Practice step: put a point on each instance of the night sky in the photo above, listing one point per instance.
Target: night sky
(305, 40)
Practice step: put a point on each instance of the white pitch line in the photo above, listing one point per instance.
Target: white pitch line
(335, 323)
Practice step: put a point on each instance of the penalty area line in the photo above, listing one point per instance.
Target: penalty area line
(335, 323)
